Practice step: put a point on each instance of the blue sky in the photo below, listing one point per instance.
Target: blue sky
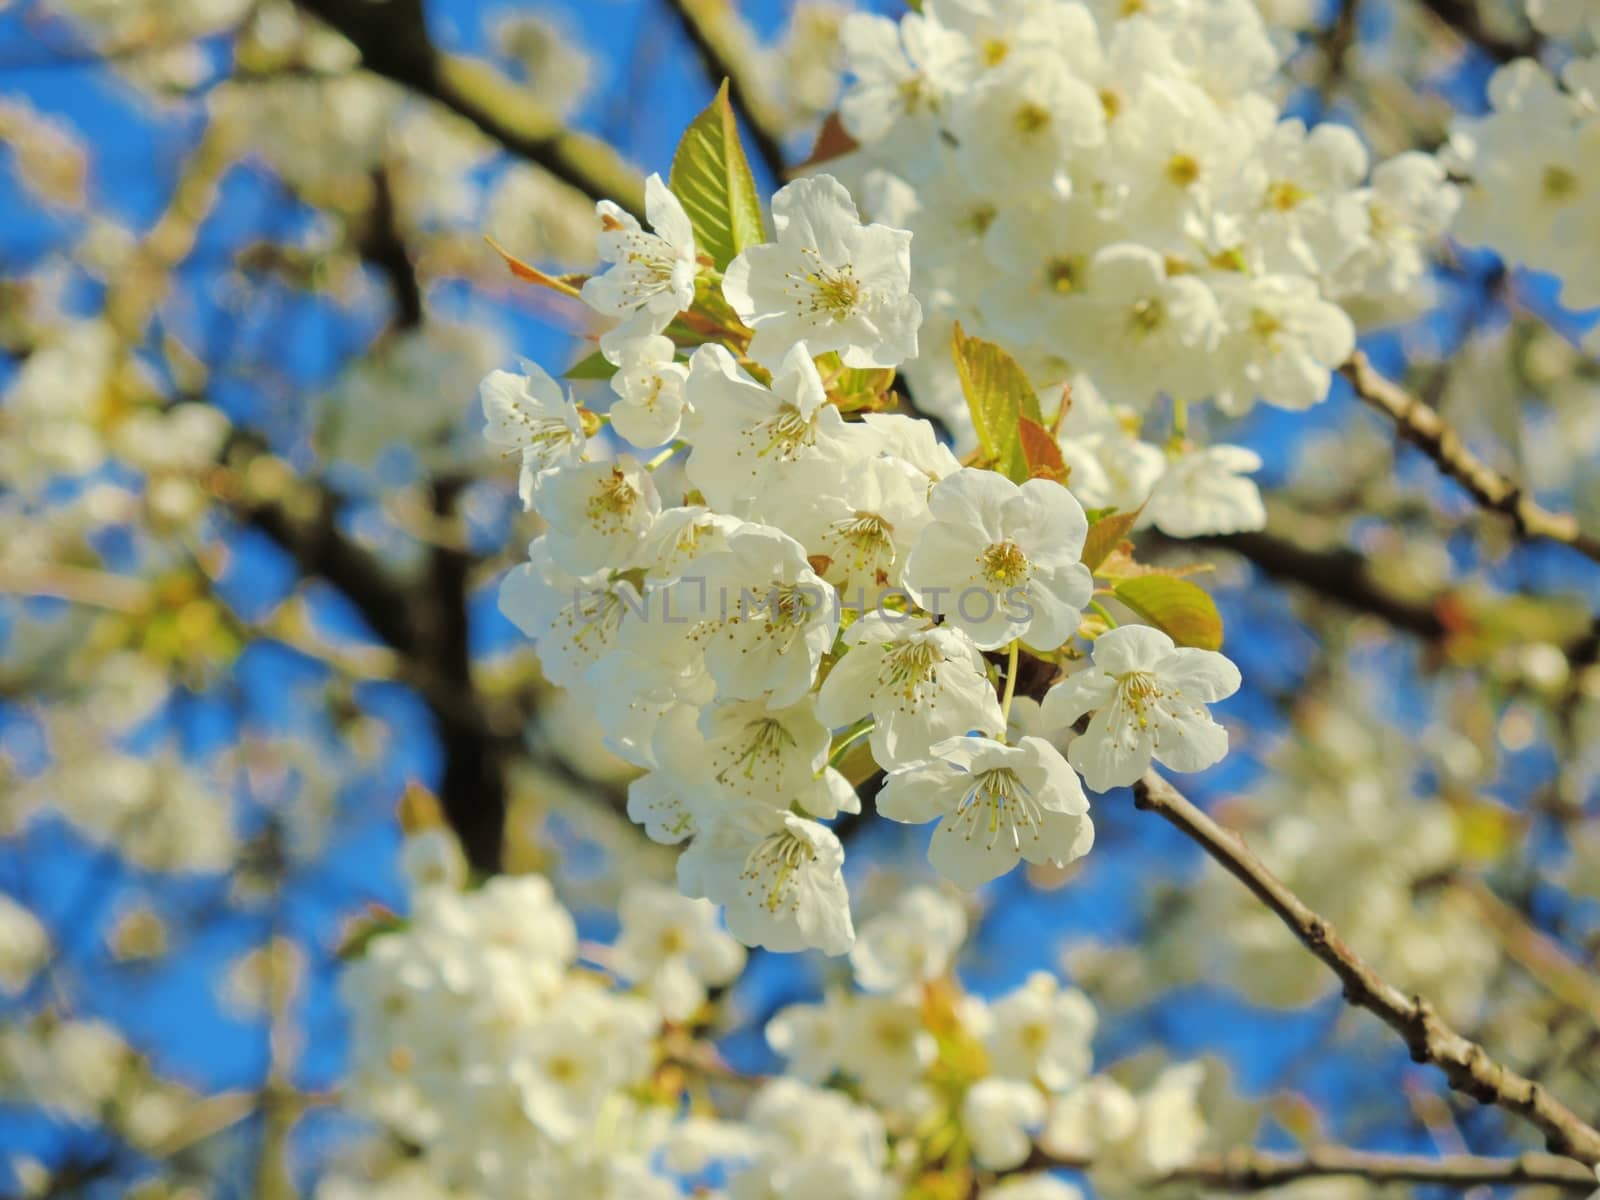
(650, 85)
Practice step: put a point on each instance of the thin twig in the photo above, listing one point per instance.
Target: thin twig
(1463, 19)
(1423, 427)
(709, 24)
(394, 42)
(1257, 1170)
(1466, 1065)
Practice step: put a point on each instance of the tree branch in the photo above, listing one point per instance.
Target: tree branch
(1421, 426)
(1466, 1065)
(394, 42)
(708, 24)
(1341, 575)
(426, 628)
(1256, 1170)
(1466, 22)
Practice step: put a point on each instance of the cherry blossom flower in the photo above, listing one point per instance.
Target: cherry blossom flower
(649, 384)
(828, 281)
(996, 805)
(599, 513)
(1148, 697)
(531, 416)
(919, 684)
(777, 877)
(651, 279)
(1000, 561)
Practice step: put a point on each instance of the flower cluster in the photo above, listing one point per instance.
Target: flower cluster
(1110, 189)
(1534, 165)
(818, 570)
(996, 1082)
(515, 1060)
(514, 1070)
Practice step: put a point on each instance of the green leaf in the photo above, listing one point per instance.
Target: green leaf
(1107, 528)
(711, 178)
(999, 396)
(1182, 610)
(594, 366)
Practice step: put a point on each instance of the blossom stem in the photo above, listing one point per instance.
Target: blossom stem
(1103, 613)
(1011, 680)
(851, 736)
(1180, 420)
(661, 458)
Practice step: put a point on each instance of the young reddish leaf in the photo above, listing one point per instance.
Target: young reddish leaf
(1040, 451)
(567, 285)
(832, 142)
(1106, 534)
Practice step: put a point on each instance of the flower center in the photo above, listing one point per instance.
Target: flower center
(1140, 690)
(1004, 564)
(907, 667)
(791, 605)
(1559, 183)
(1264, 325)
(999, 803)
(1183, 170)
(825, 290)
(613, 500)
(766, 742)
(1147, 315)
(1061, 274)
(1285, 195)
(979, 217)
(912, 94)
(649, 263)
(787, 433)
(866, 539)
(1030, 119)
(770, 869)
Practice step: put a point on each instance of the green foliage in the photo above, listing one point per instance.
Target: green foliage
(711, 178)
(593, 366)
(1184, 611)
(999, 396)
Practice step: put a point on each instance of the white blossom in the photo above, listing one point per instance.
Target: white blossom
(919, 684)
(1148, 698)
(1000, 561)
(828, 281)
(999, 1117)
(650, 386)
(673, 947)
(777, 877)
(651, 279)
(913, 942)
(996, 805)
(531, 416)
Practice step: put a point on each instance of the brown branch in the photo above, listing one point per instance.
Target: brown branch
(1422, 427)
(426, 628)
(1341, 575)
(394, 42)
(1465, 1064)
(1463, 19)
(1256, 1170)
(709, 26)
